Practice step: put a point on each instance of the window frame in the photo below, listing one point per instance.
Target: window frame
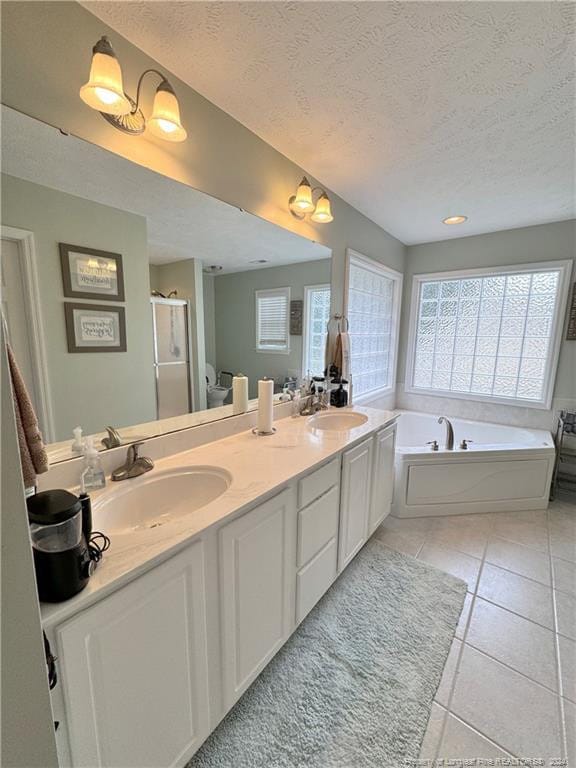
(545, 403)
(306, 320)
(272, 292)
(398, 279)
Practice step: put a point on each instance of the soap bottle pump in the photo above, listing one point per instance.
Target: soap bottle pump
(93, 476)
(78, 444)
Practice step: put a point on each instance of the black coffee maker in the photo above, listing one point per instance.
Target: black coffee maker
(61, 557)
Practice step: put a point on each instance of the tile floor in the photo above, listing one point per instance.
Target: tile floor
(509, 685)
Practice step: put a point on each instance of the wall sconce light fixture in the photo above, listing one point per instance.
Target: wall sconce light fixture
(302, 203)
(104, 92)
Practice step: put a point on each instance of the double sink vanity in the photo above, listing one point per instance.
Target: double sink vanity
(217, 555)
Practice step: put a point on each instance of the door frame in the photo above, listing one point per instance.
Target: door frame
(24, 240)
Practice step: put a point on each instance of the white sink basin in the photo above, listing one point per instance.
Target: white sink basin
(158, 497)
(337, 422)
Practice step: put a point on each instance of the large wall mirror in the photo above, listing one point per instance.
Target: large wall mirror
(131, 299)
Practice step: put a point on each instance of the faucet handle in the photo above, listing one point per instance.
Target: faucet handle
(134, 449)
(464, 444)
(434, 444)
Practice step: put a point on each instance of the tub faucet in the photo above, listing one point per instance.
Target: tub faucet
(449, 433)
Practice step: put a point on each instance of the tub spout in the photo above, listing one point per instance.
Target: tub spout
(449, 433)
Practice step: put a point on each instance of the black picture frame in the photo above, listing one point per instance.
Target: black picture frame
(70, 279)
(74, 345)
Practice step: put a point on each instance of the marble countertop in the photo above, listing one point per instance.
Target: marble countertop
(259, 467)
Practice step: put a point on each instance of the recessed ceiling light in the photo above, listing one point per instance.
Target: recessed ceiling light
(259, 261)
(212, 269)
(455, 220)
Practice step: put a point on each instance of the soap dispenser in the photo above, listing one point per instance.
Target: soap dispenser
(78, 444)
(93, 476)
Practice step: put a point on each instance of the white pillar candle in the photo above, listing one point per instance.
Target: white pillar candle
(239, 394)
(265, 398)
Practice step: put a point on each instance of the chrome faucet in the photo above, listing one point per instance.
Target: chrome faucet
(134, 466)
(113, 440)
(312, 403)
(449, 433)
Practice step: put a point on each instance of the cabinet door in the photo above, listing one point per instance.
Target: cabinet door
(134, 670)
(382, 477)
(354, 501)
(257, 587)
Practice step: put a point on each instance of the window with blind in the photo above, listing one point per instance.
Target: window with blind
(272, 315)
(488, 334)
(373, 311)
(316, 316)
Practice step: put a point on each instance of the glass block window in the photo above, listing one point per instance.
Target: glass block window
(316, 316)
(487, 335)
(373, 306)
(272, 316)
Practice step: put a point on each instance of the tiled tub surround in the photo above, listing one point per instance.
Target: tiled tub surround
(503, 468)
(509, 684)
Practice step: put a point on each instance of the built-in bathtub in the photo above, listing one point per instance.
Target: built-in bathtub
(503, 469)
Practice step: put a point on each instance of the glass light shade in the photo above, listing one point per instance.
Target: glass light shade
(302, 202)
(104, 90)
(323, 213)
(165, 121)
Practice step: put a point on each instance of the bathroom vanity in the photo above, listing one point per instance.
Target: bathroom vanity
(187, 608)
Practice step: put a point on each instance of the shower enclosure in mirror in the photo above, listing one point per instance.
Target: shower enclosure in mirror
(209, 291)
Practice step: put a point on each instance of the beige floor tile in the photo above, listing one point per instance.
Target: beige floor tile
(433, 733)
(507, 708)
(461, 628)
(570, 725)
(564, 575)
(410, 525)
(526, 647)
(568, 667)
(566, 614)
(451, 561)
(563, 545)
(464, 522)
(533, 516)
(450, 668)
(405, 543)
(517, 593)
(463, 743)
(469, 541)
(519, 559)
(533, 535)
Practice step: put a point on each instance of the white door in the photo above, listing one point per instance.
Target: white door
(354, 501)
(134, 670)
(382, 477)
(257, 587)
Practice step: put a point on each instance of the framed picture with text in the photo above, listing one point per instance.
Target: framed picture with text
(95, 327)
(91, 274)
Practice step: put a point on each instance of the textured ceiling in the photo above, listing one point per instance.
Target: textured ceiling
(182, 223)
(411, 111)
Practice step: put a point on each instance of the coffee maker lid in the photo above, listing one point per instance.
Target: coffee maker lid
(52, 507)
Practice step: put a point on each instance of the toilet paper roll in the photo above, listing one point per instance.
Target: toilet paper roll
(239, 394)
(265, 398)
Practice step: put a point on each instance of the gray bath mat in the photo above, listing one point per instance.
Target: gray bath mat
(353, 687)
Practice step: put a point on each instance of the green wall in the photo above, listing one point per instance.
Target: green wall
(235, 319)
(88, 389)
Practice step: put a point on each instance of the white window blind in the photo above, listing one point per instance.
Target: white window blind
(316, 316)
(272, 314)
(489, 334)
(373, 307)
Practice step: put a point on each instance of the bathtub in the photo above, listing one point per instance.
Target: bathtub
(504, 468)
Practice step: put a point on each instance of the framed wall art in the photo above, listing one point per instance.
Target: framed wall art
(95, 327)
(91, 274)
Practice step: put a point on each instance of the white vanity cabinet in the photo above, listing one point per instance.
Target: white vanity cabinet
(134, 671)
(257, 556)
(354, 500)
(382, 477)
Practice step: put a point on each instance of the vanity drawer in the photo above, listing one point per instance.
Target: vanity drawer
(317, 524)
(315, 578)
(318, 482)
